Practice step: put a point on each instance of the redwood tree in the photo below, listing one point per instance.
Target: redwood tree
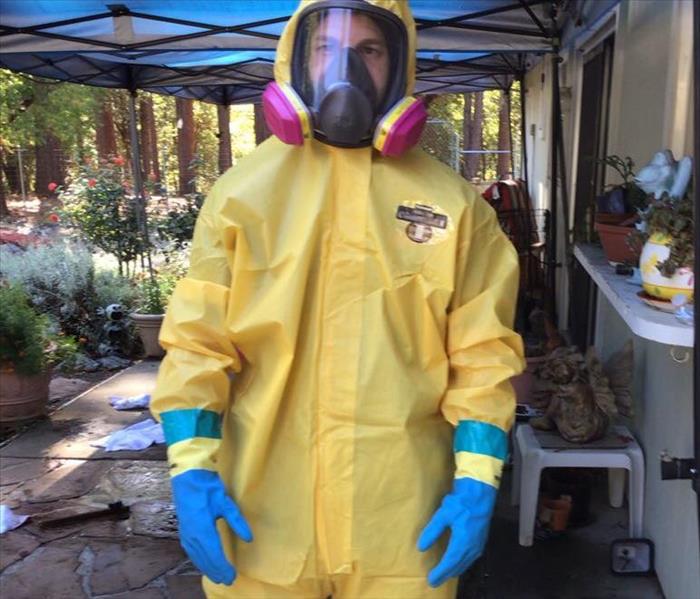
(4, 210)
(185, 145)
(504, 160)
(261, 130)
(149, 139)
(50, 163)
(105, 135)
(473, 134)
(224, 135)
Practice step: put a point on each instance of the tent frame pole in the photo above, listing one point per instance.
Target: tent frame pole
(523, 133)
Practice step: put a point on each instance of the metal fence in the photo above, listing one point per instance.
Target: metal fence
(441, 139)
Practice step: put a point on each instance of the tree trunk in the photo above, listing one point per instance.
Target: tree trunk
(503, 170)
(466, 132)
(224, 135)
(120, 103)
(149, 140)
(11, 170)
(261, 130)
(105, 135)
(153, 131)
(50, 165)
(4, 209)
(473, 162)
(185, 145)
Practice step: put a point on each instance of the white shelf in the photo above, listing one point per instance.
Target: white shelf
(645, 321)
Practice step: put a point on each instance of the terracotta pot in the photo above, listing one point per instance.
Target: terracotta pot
(614, 240)
(148, 326)
(613, 218)
(656, 250)
(555, 512)
(23, 397)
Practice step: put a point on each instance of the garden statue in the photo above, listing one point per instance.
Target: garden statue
(116, 337)
(580, 398)
(665, 175)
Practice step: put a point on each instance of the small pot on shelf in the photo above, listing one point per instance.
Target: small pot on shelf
(656, 284)
(615, 241)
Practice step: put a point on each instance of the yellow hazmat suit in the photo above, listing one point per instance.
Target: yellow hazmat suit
(359, 337)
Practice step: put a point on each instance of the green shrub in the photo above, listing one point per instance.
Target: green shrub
(112, 288)
(155, 293)
(100, 206)
(177, 226)
(22, 332)
(60, 281)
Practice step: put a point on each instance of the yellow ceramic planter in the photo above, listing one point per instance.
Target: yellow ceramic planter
(655, 251)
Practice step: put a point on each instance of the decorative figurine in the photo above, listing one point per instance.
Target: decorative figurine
(665, 175)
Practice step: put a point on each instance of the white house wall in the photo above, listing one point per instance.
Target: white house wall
(650, 109)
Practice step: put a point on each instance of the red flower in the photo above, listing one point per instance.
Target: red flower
(53, 217)
(118, 161)
(92, 182)
(52, 186)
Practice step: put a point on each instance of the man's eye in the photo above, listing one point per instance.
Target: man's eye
(372, 51)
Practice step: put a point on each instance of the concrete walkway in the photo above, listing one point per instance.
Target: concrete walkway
(51, 469)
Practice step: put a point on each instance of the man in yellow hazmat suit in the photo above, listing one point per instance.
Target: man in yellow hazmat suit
(335, 395)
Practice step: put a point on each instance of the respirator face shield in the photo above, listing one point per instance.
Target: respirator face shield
(349, 69)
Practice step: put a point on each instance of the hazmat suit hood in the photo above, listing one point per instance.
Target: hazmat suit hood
(399, 8)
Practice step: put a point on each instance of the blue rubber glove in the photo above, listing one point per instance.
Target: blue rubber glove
(467, 512)
(200, 500)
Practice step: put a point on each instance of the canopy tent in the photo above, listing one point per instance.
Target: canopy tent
(222, 51)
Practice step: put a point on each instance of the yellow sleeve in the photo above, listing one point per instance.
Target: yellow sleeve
(484, 351)
(192, 389)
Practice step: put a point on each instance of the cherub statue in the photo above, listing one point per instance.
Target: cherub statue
(665, 175)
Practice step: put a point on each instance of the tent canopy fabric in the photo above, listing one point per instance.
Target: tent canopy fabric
(222, 51)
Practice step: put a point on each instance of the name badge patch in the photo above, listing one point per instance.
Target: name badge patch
(425, 224)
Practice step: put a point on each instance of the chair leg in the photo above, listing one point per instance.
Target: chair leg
(636, 494)
(616, 486)
(517, 475)
(529, 494)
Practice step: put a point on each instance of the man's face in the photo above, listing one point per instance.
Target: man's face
(359, 32)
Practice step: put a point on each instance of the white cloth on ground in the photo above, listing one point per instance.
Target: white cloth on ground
(135, 437)
(9, 520)
(129, 403)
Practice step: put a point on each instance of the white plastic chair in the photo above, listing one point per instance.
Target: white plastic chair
(529, 458)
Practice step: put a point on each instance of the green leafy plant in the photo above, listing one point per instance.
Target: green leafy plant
(100, 206)
(22, 332)
(63, 351)
(26, 344)
(635, 197)
(59, 280)
(177, 226)
(155, 293)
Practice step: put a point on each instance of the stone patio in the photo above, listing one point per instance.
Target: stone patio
(52, 469)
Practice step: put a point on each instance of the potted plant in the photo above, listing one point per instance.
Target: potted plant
(621, 201)
(667, 258)
(27, 352)
(153, 293)
(667, 227)
(616, 212)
